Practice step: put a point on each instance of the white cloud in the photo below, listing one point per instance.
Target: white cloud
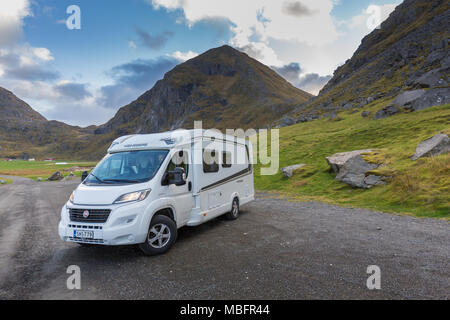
(255, 22)
(43, 54)
(183, 56)
(11, 16)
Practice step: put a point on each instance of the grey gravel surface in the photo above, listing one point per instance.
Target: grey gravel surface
(277, 249)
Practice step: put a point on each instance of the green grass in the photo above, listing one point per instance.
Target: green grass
(420, 188)
(42, 169)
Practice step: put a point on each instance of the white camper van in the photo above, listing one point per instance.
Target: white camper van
(148, 186)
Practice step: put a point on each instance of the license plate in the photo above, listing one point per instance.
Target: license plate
(83, 234)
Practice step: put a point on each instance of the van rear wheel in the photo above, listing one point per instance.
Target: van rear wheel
(161, 235)
(234, 213)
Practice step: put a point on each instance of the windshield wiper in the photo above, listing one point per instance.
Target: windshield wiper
(100, 180)
(122, 180)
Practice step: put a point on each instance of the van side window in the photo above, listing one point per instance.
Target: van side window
(210, 161)
(226, 159)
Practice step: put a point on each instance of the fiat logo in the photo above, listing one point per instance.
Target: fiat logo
(85, 214)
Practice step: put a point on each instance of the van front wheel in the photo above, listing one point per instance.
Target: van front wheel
(234, 213)
(161, 235)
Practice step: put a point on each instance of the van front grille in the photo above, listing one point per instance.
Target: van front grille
(93, 216)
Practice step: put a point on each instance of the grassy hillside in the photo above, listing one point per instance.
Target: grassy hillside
(420, 188)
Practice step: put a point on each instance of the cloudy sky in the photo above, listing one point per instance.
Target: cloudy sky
(83, 76)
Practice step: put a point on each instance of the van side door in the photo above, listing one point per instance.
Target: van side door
(182, 195)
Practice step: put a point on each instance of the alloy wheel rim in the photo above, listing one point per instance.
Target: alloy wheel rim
(158, 236)
(235, 209)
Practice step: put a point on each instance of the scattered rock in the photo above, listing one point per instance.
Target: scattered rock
(2, 182)
(289, 171)
(352, 169)
(39, 179)
(56, 176)
(365, 114)
(439, 144)
(386, 112)
(370, 99)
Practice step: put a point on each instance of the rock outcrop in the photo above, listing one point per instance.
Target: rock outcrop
(434, 146)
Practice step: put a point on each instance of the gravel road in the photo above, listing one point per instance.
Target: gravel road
(277, 249)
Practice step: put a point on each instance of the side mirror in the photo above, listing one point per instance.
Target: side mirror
(84, 175)
(177, 177)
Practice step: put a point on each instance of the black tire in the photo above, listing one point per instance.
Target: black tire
(162, 241)
(234, 213)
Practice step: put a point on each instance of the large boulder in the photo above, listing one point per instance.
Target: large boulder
(288, 172)
(337, 161)
(56, 176)
(439, 144)
(408, 96)
(353, 170)
(433, 97)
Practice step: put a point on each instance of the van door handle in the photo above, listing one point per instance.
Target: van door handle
(240, 181)
(190, 186)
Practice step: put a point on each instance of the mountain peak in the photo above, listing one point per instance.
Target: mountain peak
(223, 87)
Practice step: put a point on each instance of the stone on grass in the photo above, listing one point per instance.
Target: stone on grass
(288, 172)
(336, 161)
(56, 176)
(439, 144)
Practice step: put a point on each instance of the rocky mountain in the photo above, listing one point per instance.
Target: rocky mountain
(223, 87)
(24, 132)
(403, 65)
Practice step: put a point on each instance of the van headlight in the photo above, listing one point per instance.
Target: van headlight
(71, 198)
(133, 196)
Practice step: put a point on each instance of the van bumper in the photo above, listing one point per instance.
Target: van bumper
(123, 227)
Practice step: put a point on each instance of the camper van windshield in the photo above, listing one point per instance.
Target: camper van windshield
(127, 167)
